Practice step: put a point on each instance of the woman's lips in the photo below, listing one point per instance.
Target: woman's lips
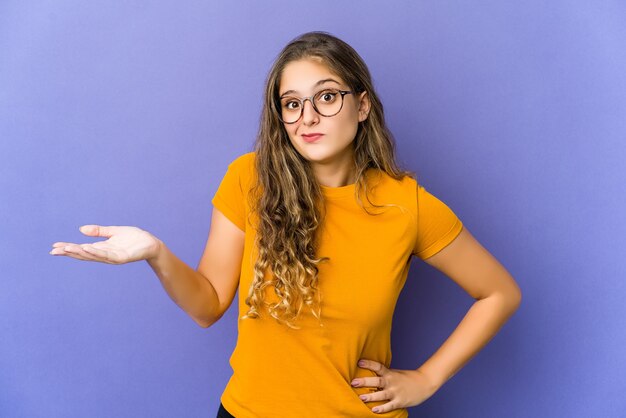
(312, 138)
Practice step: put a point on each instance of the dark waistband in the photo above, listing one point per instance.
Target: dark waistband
(223, 413)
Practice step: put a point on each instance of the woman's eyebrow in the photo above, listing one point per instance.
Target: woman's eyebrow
(315, 85)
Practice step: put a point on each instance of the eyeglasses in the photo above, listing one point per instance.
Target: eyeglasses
(327, 103)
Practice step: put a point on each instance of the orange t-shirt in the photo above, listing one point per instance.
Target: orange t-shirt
(283, 372)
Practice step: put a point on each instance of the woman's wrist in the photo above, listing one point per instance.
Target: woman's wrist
(435, 380)
(156, 251)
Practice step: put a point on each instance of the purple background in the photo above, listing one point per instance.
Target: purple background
(127, 113)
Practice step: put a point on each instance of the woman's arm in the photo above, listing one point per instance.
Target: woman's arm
(203, 299)
(189, 289)
(497, 295)
(207, 292)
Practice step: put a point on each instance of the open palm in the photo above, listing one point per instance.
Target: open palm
(125, 244)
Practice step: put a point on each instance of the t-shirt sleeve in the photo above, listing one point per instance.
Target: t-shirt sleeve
(229, 197)
(437, 225)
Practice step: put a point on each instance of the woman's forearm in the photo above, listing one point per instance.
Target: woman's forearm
(189, 289)
(481, 323)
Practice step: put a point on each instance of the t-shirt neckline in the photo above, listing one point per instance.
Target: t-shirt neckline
(338, 192)
(342, 191)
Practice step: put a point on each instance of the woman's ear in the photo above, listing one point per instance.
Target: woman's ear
(364, 106)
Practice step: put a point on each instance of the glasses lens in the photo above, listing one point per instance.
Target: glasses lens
(290, 109)
(328, 102)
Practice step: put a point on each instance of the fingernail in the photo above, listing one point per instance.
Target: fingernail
(361, 363)
(363, 397)
(375, 410)
(355, 383)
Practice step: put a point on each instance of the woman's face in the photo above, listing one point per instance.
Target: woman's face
(304, 78)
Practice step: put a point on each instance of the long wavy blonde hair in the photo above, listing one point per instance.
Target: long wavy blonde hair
(286, 196)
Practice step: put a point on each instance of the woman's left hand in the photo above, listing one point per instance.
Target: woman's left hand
(402, 388)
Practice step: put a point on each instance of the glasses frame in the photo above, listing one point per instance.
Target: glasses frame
(310, 99)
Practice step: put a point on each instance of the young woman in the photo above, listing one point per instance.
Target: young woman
(316, 228)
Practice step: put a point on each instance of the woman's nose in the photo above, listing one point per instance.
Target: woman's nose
(309, 115)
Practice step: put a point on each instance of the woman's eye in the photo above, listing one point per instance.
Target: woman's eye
(328, 96)
(291, 105)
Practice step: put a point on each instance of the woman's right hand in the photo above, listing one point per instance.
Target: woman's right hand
(125, 244)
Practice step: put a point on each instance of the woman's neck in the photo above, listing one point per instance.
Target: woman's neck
(335, 176)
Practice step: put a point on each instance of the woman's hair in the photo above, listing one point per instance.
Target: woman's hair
(287, 197)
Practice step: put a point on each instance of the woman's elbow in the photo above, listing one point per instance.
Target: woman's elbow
(206, 322)
(508, 294)
(514, 296)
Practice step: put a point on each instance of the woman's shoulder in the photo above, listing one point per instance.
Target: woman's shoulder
(383, 180)
(243, 164)
(244, 159)
(384, 188)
